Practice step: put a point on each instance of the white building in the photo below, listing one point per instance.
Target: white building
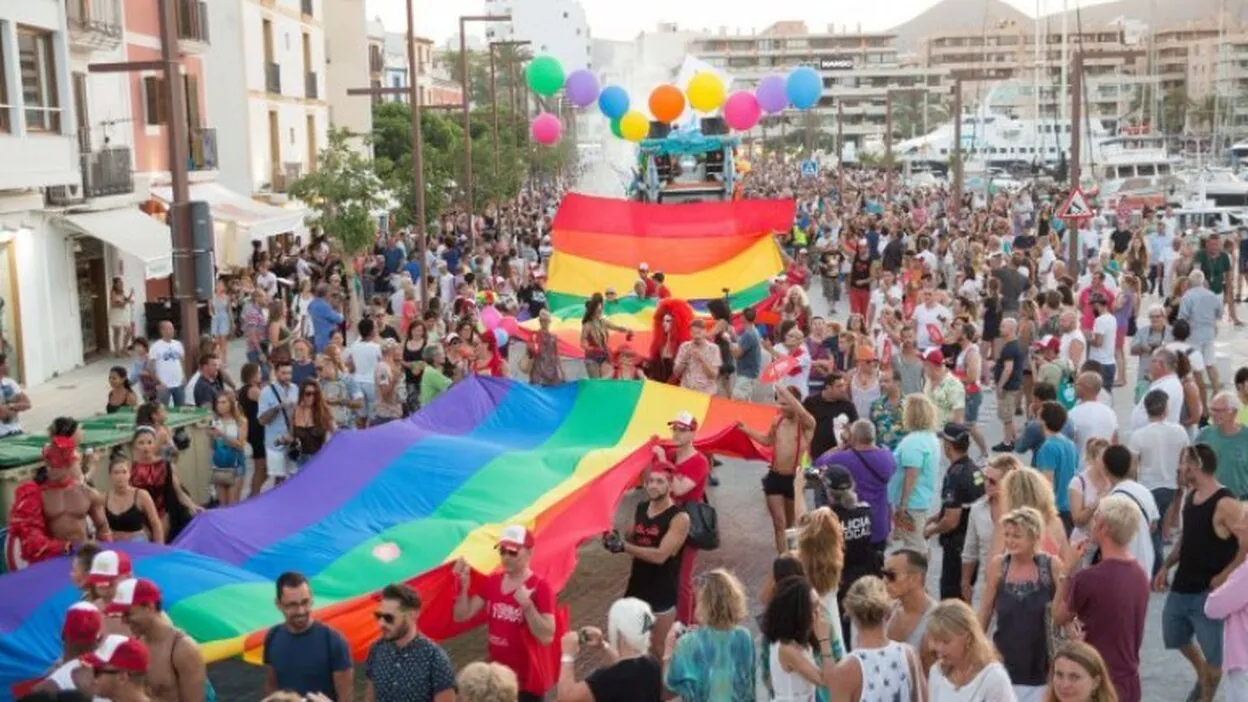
(278, 122)
(348, 36)
(557, 28)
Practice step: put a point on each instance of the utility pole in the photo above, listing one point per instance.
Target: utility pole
(958, 78)
(840, 151)
(177, 133)
(418, 144)
(494, 89)
(888, 133)
(466, 86)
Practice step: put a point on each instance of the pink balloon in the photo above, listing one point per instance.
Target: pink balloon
(742, 111)
(546, 129)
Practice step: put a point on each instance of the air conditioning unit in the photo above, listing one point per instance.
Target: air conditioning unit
(63, 194)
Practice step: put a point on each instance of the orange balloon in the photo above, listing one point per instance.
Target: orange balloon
(667, 103)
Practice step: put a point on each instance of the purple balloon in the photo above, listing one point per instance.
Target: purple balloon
(582, 87)
(772, 94)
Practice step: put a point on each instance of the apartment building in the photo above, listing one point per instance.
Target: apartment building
(1218, 66)
(1171, 47)
(433, 83)
(859, 69)
(556, 28)
(348, 38)
(268, 90)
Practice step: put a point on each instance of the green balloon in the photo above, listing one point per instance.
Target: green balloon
(544, 75)
(615, 128)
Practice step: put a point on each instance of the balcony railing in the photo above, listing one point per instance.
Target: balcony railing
(311, 85)
(193, 21)
(94, 24)
(273, 78)
(203, 152)
(307, 6)
(108, 171)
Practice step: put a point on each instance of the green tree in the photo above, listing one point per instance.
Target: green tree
(342, 193)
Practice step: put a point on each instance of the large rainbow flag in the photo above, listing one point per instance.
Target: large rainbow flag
(705, 251)
(397, 503)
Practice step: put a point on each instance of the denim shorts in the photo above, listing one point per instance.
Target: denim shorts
(1183, 618)
(973, 402)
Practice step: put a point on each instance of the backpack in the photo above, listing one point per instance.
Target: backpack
(1066, 392)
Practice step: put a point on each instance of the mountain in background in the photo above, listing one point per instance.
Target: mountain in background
(977, 15)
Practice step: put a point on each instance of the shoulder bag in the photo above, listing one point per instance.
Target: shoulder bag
(703, 525)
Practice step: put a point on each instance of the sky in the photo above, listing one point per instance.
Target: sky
(624, 19)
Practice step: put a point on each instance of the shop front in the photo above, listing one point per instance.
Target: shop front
(239, 220)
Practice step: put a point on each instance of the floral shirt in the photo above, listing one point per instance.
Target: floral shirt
(711, 665)
(887, 421)
(692, 375)
(949, 397)
(341, 389)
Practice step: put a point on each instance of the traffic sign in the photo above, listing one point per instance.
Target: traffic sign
(1075, 207)
(810, 168)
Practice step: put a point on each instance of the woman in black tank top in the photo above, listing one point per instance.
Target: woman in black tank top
(130, 511)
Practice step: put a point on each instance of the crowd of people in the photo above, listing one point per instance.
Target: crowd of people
(1048, 543)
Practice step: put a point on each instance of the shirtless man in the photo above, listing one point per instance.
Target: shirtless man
(905, 578)
(81, 634)
(176, 672)
(48, 517)
(120, 667)
(108, 569)
(789, 439)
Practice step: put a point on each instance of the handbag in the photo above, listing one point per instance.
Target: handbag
(703, 525)
(223, 477)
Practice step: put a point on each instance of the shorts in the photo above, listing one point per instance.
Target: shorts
(1184, 618)
(776, 484)
(277, 464)
(369, 390)
(1207, 352)
(745, 389)
(973, 402)
(221, 325)
(1007, 404)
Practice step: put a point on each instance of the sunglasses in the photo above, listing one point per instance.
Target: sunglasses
(509, 552)
(384, 617)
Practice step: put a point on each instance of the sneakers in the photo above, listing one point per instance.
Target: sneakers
(1003, 447)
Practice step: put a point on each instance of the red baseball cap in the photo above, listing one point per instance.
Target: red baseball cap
(934, 356)
(119, 652)
(109, 566)
(135, 592)
(684, 420)
(517, 536)
(83, 624)
(1048, 342)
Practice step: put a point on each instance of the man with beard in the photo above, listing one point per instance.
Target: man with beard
(655, 541)
(177, 672)
(404, 666)
(691, 473)
(120, 668)
(303, 655)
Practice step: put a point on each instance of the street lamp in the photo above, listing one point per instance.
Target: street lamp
(463, 66)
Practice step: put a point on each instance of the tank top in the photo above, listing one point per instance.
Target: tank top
(1204, 553)
(152, 477)
(251, 410)
(864, 396)
(1022, 634)
(788, 687)
(915, 639)
(129, 521)
(654, 584)
(885, 673)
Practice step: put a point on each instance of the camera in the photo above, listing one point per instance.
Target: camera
(612, 541)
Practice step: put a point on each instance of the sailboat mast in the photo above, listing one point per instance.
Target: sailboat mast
(1064, 100)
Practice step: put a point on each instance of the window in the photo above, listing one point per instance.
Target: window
(5, 123)
(155, 111)
(38, 80)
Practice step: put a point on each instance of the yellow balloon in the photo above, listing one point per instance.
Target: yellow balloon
(706, 92)
(634, 126)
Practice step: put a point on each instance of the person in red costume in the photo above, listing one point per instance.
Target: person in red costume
(672, 319)
(48, 517)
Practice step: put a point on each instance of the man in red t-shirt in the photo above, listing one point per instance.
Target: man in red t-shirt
(691, 471)
(660, 286)
(651, 287)
(519, 613)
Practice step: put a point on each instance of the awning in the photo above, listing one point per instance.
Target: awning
(260, 221)
(132, 231)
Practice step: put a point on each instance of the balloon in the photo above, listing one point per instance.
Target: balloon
(546, 129)
(544, 75)
(741, 111)
(613, 101)
(667, 103)
(582, 87)
(771, 94)
(705, 91)
(615, 128)
(804, 87)
(634, 126)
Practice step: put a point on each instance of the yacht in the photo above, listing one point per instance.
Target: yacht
(1219, 185)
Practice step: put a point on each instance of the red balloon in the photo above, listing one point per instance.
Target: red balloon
(667, 103)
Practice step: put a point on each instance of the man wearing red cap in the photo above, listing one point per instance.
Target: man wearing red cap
(519, 609)
(651, 287)
(120, 667)
(82, 633)
(48, 516)
(944, 389)
(108, 569)
(691, 471)
(177, 672)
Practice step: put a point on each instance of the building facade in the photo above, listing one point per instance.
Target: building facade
(348, 36)
(556, 28)
(1217, 76)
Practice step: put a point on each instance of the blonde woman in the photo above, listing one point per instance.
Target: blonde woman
(1088, 486)
(967, 667)
(487, 682)
(912, 488)
(986, 512)
(821, 550)
(1019, 589)
(877, 670)
(1027, 487)
(1080, 675)
(229, 447)
(715, 660)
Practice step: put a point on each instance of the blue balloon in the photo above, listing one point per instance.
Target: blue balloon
(804, 88)
(613, 101)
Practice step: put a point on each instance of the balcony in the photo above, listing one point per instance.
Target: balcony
(311, 85)
(306, 6)
(107, 171)
(203, 152)
(376, 61)
(94, 25)
(192, 26)
(273, 78)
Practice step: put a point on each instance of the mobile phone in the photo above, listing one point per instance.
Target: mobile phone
(790, 539)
